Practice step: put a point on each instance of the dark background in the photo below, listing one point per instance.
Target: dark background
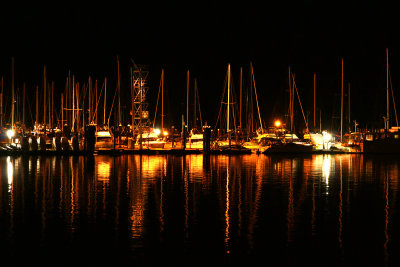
(204, 36)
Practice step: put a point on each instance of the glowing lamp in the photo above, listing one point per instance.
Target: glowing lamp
(157, 131)
(10, 133)
(165, 133)
(277, 123)
(327, 136)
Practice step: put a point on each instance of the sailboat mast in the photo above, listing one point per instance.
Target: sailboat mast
(105, 101)
(95, 102)
(240, 100)
(132, 102)
(73, 103)
(119, 95)
(187, 98)
(195, 104)
(290, 101)
(23, 104)
(315, 96)
(1, 101)
(387, 89)
(37, 106)
(227, 110)
(341, 107)
(90, 98)
(12, 93)
(349, 109)
(44, 95)
(162, 101)
(62, 112)
(255, 93)
(52, 104)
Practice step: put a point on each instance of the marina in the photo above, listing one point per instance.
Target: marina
(200, 133)
(139, 135)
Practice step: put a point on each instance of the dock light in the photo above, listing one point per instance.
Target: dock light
(277, 123)
(157, 131)
(10, 133)
(327, 136)
(165, 133)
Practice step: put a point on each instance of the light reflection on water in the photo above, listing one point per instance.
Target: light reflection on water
(280, 209)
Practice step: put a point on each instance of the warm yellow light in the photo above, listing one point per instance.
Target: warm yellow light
(10, 133)
(327, 136)
(157, 131)
(103, 134)
(277, 123)
(165, 133)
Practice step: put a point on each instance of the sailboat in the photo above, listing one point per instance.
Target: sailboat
(385, 140)
(229, 145)
(287, 141)
(195, 135)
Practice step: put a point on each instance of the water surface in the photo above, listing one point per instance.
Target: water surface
(317, 210)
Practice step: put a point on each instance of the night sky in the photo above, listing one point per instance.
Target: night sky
(204, 36)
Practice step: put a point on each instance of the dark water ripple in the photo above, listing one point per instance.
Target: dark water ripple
(254, 210)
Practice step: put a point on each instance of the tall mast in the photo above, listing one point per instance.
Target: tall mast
(240, 100)
(77, 106)
(387, 89)
(73, 103)
(132, 101)
(162, 101)
(315, 96)
(349, 110)
(290, 101)
(187, 99)
(52, 104)
(195, 104)
(90, 99)
(1, 101)
(12, 93)
(62, 112)
(341, 107)
(255, 92)
(44, 95)
(119, 95)
(37, 106)
(227, 110)
(23, 104)
(95, 102)
(105, 101)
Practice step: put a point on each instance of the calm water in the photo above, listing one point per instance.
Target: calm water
(183, 211)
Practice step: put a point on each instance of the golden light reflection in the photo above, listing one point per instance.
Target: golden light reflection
(227, 221)
(326, 168)
(290, 214)
(385, 245)
(239, 187)
(340, 240)
(196, 168)
(103, 171)
(186, 192)
(151, 166)
(10, 173)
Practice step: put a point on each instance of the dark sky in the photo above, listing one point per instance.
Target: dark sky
(204, 36)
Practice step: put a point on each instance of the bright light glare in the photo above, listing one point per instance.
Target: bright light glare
(10, 173)
(103, 134)
(326, 168)
(277, 123)
(165, 133)
(327, 136)
(157, 131)
(10, 133)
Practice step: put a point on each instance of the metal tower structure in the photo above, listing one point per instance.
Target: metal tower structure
(140, 112)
